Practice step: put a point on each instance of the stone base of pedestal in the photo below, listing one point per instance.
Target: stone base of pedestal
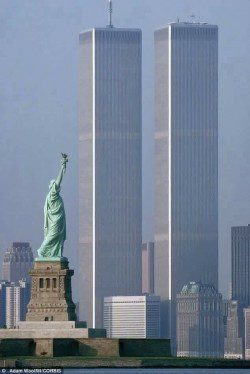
(50, 343)
(51, 330)
(46, 339)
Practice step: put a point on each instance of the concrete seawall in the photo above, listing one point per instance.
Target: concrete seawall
(86, 347)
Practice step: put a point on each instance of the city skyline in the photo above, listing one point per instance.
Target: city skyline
(43, 100)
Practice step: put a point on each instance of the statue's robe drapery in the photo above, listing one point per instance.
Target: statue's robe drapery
(54, 224)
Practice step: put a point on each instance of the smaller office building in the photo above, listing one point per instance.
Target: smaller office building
(234, 335)
(132, 316)
(247, 333)
(200, 328)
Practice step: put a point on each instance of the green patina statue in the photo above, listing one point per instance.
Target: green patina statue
(54, 219)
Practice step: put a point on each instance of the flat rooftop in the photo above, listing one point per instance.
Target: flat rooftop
(110, 29)
(188, 24)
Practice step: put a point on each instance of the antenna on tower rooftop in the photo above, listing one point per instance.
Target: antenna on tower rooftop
(110, 13)
(192, 16)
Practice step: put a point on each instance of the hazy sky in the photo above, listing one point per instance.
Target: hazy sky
(38, 108)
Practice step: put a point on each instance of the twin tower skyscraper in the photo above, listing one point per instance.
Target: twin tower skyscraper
(110, 164)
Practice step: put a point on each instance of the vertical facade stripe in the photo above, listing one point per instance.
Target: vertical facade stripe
(169, 155)
(94, 67)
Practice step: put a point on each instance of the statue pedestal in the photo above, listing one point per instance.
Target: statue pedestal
(51, 296)
(50, 328)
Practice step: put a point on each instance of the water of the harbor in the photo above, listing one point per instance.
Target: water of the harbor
(156, 371)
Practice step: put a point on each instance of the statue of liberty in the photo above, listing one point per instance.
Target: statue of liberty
(54, 218)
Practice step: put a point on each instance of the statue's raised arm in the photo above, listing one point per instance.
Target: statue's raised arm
(54, 218)
(62, 171)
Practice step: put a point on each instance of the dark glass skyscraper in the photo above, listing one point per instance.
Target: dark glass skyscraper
(186, 161)
(109, 168)
(240, 242)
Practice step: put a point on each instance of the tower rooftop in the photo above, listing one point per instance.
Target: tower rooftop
(198, 287)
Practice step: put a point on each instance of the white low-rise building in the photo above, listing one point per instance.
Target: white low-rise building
(17, 298)
(132, 316)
